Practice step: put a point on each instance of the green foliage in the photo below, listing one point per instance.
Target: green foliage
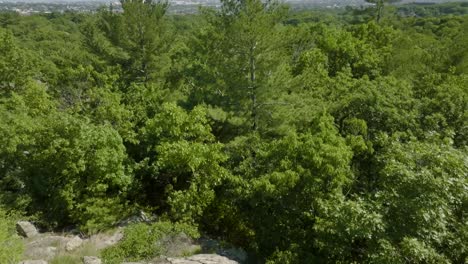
(281, 185)
(15, 66)
(11, 247)
(183, 160)
(137, 40)
(238, 76)
(75, 256)
(286, 257)
(422, 187)
(84, 162)
(379, 6)
(345, 225)
(143, 242)
(444, 103)
(348, 53)
(433, 10)
(304, 137)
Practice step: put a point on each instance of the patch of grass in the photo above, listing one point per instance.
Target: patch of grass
(192, 251)
(66, 259)
(11, 246)
(55, 244)
(76, 256)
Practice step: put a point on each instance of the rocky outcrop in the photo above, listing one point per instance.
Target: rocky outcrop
(101, 241)
(178, 245)
(140, 217)
(47, 246)
(33, 262)
(74, 243)
(46, 253)
(26, 229)
(44, 246)
(215, 247)
(202, 259)
(91, 260)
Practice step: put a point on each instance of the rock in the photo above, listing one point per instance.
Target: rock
(91, 260)
(202, 259)
(236, 254)
(144, 217)
(50, 252)
(212, 259)
(44, 246)
(178, 245)
(46, 253)
(33, 262)
(103, 240)
(181, 261)
(139, 217)
(214, 246)
(74, 243)
(26, 229)
(47, 240)
(114, 239)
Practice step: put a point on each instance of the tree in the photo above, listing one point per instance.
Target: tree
(61, 166)
(422, 196)
(240, 55)
(16, 66)
(141, 32)
(273, 204)
(179, 163)
(380, 7)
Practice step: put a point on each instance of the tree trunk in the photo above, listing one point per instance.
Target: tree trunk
(380, 7)
(253, 88)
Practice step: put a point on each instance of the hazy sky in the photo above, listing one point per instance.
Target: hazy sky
(311, 1)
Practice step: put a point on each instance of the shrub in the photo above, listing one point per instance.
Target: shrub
(11, 247)
(143, 241)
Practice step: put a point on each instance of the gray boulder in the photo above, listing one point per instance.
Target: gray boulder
(102, 240)
(91, 260)
(114, 239)
(202, 259)
(26, 229)
(33, 262)
(45, 253)
(74, 243)
(44, 246)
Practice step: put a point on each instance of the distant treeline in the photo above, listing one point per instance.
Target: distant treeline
(433, 9)
(320, 136)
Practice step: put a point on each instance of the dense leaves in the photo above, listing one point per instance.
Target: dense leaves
(302, 137)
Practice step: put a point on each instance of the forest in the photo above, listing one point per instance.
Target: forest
(313, 136)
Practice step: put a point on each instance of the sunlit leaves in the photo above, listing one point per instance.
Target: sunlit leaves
(62, 162)
(183, 159)
(16, 66)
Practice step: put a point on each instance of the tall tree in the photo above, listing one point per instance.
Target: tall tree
(242, 46)
(16, 67)
(139, 32)
(380, 4)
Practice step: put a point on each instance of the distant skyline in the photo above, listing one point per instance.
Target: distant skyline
(354, 2)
